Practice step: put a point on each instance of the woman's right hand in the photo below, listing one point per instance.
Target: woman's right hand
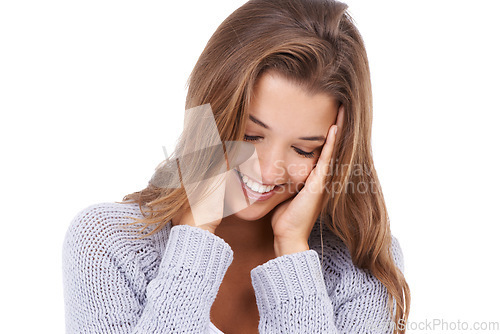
(205, 213)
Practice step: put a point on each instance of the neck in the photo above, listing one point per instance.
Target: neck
(247, 236)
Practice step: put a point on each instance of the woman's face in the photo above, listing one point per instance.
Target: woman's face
(281, 118)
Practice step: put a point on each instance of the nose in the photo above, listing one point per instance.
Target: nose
(270, 166)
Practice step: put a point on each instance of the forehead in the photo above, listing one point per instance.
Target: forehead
(280, 102)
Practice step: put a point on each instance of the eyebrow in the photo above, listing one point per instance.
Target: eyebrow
(311, 138)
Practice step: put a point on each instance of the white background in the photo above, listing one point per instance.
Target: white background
(91, 90)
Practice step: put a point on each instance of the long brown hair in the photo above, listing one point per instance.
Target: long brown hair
(315, 44)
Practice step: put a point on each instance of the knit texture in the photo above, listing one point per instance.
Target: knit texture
(168, 281)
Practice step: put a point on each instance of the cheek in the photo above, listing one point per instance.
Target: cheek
(298, 172)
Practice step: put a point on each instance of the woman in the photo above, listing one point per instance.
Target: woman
(230, 237)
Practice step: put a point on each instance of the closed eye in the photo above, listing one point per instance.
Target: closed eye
(300, 152)
(251, 138)
(304, 154)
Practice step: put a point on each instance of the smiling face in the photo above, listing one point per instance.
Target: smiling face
(288, 128)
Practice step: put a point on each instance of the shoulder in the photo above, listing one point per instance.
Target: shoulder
(98, 232)
(397, 253)
(101, 221)
(344, 280)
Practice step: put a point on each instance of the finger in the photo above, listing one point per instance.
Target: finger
(326, 153)
(340, 127)
(340, 118)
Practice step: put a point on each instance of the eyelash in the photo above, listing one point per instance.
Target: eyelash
(300, 152)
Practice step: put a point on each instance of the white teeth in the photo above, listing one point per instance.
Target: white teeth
(257, 187)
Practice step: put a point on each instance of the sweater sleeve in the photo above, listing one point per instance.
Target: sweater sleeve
(190, 273)
(100, 297)
(292, 296)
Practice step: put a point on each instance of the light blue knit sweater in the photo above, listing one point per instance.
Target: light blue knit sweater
(167, 282)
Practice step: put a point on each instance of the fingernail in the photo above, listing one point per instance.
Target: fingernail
(335, 130)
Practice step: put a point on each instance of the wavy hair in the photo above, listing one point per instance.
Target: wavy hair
(315, 44)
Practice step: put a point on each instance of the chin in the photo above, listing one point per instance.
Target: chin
(252, 213)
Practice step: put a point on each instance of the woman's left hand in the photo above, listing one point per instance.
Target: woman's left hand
(293, 220)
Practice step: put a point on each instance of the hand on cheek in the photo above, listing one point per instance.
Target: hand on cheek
(293, 220)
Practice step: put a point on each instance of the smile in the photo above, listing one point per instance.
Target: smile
(255, 186)
(256, 191)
